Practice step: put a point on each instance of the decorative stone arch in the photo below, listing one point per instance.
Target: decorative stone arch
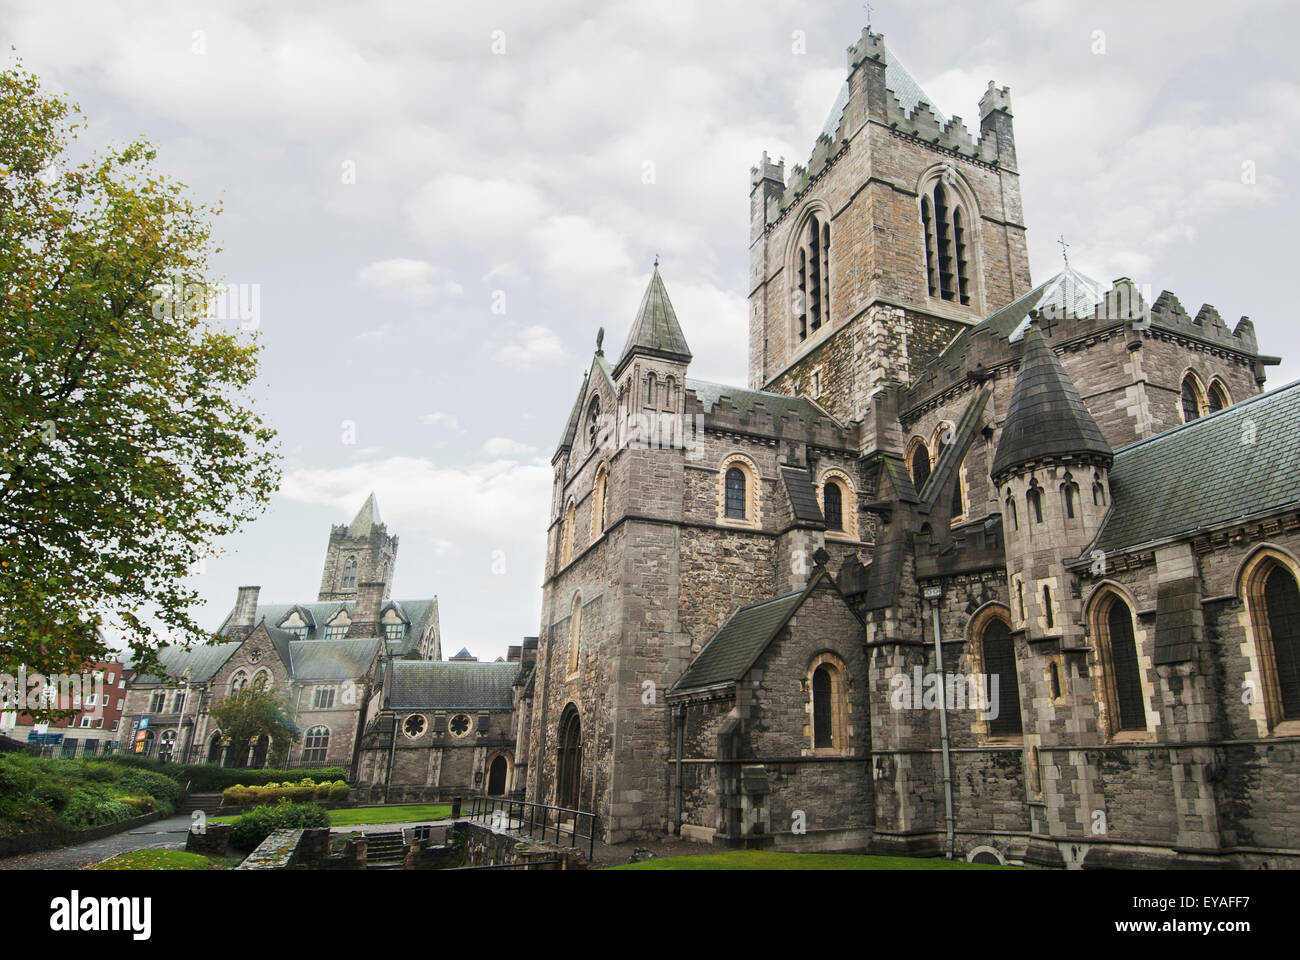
(238, 680)
(1191, 381)
(913, 464)
(753, 491)
(263, 679)
(575, 634)
(1267, 708)
(826, 688)
(798, 254)
(599, 491)
(986, 616)
(985, 854)
(1097, 612)
(848, 503)
(498, 774)
(1218, 386)
(566, 532)
(965, 233)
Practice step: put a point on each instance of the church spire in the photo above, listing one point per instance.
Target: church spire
(655, 332)
(366, 519)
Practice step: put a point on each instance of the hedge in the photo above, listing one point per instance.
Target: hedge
(302, 791)
(39, 794)
(253, 827)
(209, 778)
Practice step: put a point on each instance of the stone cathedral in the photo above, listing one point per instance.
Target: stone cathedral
(973, 565)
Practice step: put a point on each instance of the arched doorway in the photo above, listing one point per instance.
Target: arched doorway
(568, 768)
(497, 770)
(259, 751)
(214, 749)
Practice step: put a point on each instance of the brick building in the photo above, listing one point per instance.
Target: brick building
(971, 564)
(94, 728)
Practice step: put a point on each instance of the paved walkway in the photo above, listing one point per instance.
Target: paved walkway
(168, 834)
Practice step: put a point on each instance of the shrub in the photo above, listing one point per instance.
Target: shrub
(251, 828)
(323, 790)
(207, 777)
(338, 790)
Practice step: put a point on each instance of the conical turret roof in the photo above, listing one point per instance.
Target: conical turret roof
(1047, 419)
(655, 332)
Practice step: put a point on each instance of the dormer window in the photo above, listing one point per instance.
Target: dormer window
(394, 631)
(337, 628)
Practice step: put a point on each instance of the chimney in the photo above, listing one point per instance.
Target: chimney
(241, 621)
(529, 653)
(365, 615)
(512, 654)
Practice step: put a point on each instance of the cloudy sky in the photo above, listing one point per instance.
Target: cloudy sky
(440, 203)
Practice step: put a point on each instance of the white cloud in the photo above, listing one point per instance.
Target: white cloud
(413, 281)
(500, 447)
(534, 346)
(455, 208)
(441, 419)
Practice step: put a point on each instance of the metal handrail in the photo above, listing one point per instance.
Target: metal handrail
(482, 809)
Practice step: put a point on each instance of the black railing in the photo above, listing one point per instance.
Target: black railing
(535, 819)
(524, 865)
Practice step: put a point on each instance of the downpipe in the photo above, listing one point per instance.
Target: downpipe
(943, 735)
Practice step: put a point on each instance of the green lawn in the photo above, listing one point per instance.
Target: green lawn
(767, 860)
(165, 860)
(365, 815)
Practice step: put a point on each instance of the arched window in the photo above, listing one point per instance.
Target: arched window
(651, 385)
(1273, 599)
(575, 632)
(566, 534)
(834, 506)
(828, 707)
(1122, 674)
(568, 766)
(958, 505)
(262, 681)
(670, 388)
(1192, 397)
(1034, 498)
(214, 748)
(823, 720)
(350, 573)
(735, 493)
(999, 655)
(1054, 680)
(812, 276)
(316, 745)
(1048, 615)
(920, 465)
(238, 681)
(167, 746)
(1218, 397)
(1098, 491)
(944, 224)
(1011, 510)
(598, 501)
(593, 423)
(1070, 496)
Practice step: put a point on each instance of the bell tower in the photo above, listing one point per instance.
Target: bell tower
(359, 553)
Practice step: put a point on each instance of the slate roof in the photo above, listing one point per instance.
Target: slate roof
(897, 80)
(332, 659)
(418, 613)
(803, 498)
(1046, 417)
(367, 518)
(776, 404)
(203, 661)
(444, 685)
(739, 640)
(1205, 472)
(655, 331)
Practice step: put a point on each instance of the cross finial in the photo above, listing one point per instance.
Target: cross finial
(656, 261)
(1065, 247)
(870, 9)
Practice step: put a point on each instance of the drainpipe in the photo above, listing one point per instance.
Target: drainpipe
(933, 594)
(679, 723)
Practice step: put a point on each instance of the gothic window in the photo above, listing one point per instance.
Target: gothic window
(1070, 494)
(670, 386)
(1273, 599)
(1192, 398)
(1054, 680)
(812, 269)
(593, 423)
(261, 681)
(350, 573)
(1011, 510)
(1122, 674)
(316, 744)
(575, 632)
(736, 493)
(1098, 491)
(238, 682)
(650, 387)
(414, 725)
(834, 506)
(1218, 397)
(167, 746)
(1047, 607)
(920, 465)
(999, 655)
(958, 505)
(947, 243)
(1034, 499)
(1020, 598)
